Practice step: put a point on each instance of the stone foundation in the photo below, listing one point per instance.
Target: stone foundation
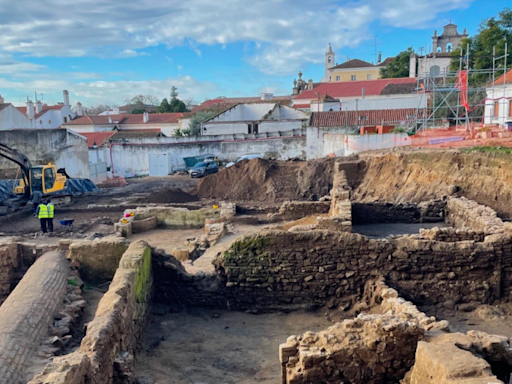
(465, 213)
(294, 210)
(98, 259)
(426, 212)
(106, 354)
(276, 268)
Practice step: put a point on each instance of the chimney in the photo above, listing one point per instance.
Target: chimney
(65, 95)
(2, 100)
(110, 119)
(30, 109)
(145, 117)
(267, 96)
(310, 85)
(39, 106)
(79, 110)
(379, 58)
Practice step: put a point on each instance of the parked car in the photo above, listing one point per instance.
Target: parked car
(204, 169)
(245, 157)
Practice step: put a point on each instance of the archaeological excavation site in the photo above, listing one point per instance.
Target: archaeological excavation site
(382, 267)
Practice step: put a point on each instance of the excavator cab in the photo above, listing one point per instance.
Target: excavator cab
(44, 180)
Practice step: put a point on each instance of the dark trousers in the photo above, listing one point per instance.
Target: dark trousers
(50, 224)
(43, 224)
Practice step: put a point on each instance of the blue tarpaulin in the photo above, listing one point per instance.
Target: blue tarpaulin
(73, 186)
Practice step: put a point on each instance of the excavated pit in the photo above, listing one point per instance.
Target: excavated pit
(228, 286)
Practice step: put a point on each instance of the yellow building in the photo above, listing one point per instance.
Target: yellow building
(351, 70)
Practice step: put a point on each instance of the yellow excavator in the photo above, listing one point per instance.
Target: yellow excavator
(36, 183)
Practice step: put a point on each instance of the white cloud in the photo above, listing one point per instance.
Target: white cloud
(131, 53)
(286, 33)
(100, 91)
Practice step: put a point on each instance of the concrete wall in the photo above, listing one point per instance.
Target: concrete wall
(378, 103)
(315, 140)
(114, 336)
(241, 127)
(345, 145)
(61, 147)
(133, 158)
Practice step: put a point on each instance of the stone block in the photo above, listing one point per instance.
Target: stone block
(139, 226)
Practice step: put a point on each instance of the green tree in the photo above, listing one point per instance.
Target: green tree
(174, 92)
(399, 67)
(492, 33)
(164, 107)
(194, 127)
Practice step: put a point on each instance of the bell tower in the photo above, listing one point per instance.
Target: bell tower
(330, 58)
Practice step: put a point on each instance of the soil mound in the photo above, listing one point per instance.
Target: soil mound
(269, 181)
(171, 196)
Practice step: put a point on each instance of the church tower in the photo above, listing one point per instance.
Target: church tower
(330, 57)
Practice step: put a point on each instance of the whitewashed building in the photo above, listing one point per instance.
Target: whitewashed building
(498, 104)
(167, 123)
(37, 115)
(254, 118)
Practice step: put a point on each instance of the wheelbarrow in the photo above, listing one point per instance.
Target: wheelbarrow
(66, 223)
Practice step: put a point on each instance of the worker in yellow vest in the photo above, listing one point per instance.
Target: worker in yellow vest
(51, 212)
(42, 214)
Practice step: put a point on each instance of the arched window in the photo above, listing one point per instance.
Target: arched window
(438, 49)
(449, 47)
(435, 70)
(329, 59)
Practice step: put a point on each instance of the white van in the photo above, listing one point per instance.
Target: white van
(245, 157)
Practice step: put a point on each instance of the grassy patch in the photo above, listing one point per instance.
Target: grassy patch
(488, 149)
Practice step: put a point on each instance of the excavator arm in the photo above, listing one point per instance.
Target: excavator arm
(17, 157)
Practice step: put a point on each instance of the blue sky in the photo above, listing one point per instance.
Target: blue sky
(106, 51)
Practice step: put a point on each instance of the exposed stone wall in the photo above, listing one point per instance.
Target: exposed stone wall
(98, 259)
(425, 212)
(294, 210)
(464, 213)
(177, 288)
(452, 235)
(340, 211)
(106, 354)
(27, 312)
(367, 349)
(281, 268)
(139, 226)
(175, 218)
(15, 259)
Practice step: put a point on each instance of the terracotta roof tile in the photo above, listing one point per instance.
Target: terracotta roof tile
(353, 88)
(154, 118)
(507, 77)
(97, 138)
(361, 118)
(136, 134)
(354, 63)
(226, 102)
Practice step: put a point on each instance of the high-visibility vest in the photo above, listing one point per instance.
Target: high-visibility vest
(43, 211)
(51, 210)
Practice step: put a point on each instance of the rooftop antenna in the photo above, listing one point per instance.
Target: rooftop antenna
(35, 94)
(376, 49)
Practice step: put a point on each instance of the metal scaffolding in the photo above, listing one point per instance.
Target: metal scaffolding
(443, 98)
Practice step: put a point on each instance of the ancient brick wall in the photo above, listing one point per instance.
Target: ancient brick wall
(15, 259)
(368, 213)
(106, 354)
(27, 313)
(465, 213)
(284, 268)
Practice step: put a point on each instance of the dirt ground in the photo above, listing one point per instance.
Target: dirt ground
(213, 346)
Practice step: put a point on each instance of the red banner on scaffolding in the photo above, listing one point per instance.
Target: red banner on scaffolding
(462, 85)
